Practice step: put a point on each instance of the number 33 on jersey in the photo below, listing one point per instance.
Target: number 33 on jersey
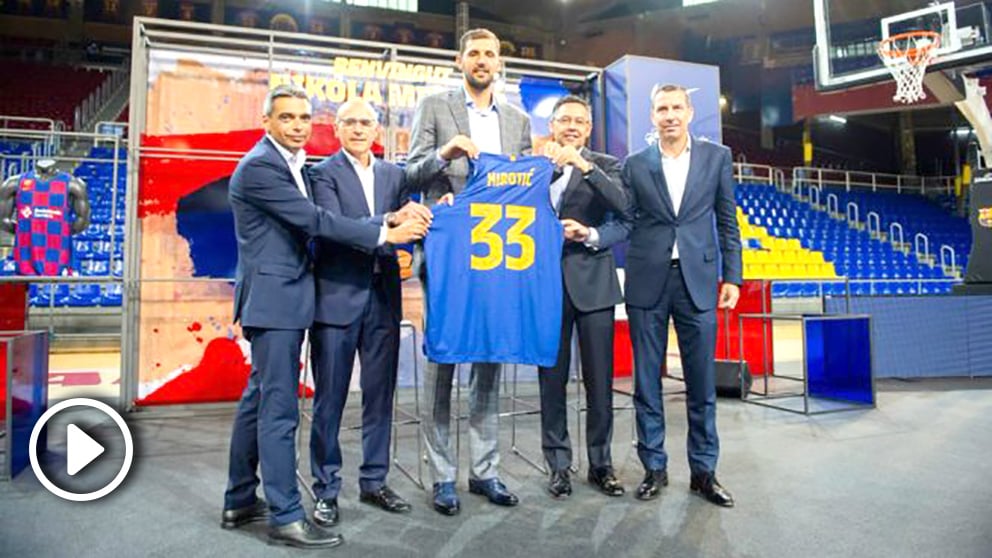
(493, 260)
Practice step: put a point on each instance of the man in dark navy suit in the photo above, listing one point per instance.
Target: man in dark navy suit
(274, 301)
(358, 309)
(587, 195)
(685, 224)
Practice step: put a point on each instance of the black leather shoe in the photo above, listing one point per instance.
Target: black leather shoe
(606, 482)
(651, 486)
(237, 517)
(325, 512)
(493, 489)
(446, 499)
(559, 486)
(303, 534)
(706, 486)
(386, 499)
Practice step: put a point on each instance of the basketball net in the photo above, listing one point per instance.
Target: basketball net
(907, 56)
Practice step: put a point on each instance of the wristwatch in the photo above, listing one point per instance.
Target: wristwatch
(390, 219)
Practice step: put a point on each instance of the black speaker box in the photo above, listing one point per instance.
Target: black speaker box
(730, 376)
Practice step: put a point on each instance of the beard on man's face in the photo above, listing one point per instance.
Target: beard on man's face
(477, 83)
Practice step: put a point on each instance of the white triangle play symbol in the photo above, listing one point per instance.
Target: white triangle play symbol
(82, 450)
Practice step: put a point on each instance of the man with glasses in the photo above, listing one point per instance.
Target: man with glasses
(274, 218)
(358, 309)
(586, 194)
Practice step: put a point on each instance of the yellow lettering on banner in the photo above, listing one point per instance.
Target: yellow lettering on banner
(402, 95)
(336, 91)
(372, 92)
(380, 69)
(340, 66)
(315, 88)
(354, 67)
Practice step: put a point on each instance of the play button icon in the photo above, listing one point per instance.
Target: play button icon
(82, 451)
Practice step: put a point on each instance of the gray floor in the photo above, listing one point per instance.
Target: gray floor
(910, 478)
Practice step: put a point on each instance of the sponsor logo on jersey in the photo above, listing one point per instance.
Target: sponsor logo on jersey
(985, 217)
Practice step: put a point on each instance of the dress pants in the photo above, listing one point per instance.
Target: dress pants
(265, 426)
(596, 354)
(696, 331)
(483, 420)
(376, 337)
(483, 410)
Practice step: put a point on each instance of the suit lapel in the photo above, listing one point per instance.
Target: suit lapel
(379, 187)
(654, 165)
(504, 129)
(574, 180)
(692, 185)
(456, 101)
(305, 172)
(352, 193)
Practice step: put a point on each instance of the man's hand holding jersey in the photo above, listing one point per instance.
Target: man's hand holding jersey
(408, 224)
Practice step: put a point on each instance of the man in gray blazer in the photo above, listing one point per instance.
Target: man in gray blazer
(448, 129)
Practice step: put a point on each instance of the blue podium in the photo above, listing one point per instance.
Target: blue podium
(24, 395)
(837, 365)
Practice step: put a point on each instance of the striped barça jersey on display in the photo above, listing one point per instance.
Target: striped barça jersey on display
(494, 289)
(43, 241)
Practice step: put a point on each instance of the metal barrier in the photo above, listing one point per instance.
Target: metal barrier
(856, 223)
(873, 217)
(833, 210)
(922, 255)
(945, 249)
(874, 181)
(109, 128)
(758, 174)
(814, 200)
(893, 229)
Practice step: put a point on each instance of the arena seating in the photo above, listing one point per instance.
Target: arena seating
(850, 251)
(66, 88)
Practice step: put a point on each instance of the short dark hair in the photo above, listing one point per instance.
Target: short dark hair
(477, 33)
(571, 99)
(284, 90)
(668, 88)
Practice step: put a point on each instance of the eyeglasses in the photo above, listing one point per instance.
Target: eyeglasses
(568, 120)
(353, 122)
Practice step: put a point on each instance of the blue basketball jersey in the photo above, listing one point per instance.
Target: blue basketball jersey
(494, 291)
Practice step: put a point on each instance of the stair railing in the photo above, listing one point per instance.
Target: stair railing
(922, 255)
(895, 228)
(876, 231)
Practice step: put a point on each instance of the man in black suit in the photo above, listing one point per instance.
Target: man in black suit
(586, 193)
(274, 301)
(682, 200)
(358, 309)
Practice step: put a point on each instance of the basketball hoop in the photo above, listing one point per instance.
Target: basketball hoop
(907, 56)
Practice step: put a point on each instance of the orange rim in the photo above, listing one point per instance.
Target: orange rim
(914, 55)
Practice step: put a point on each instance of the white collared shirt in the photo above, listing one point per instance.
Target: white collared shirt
(295, 161)
(483, 126)
(676, 170)
(366, 175)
